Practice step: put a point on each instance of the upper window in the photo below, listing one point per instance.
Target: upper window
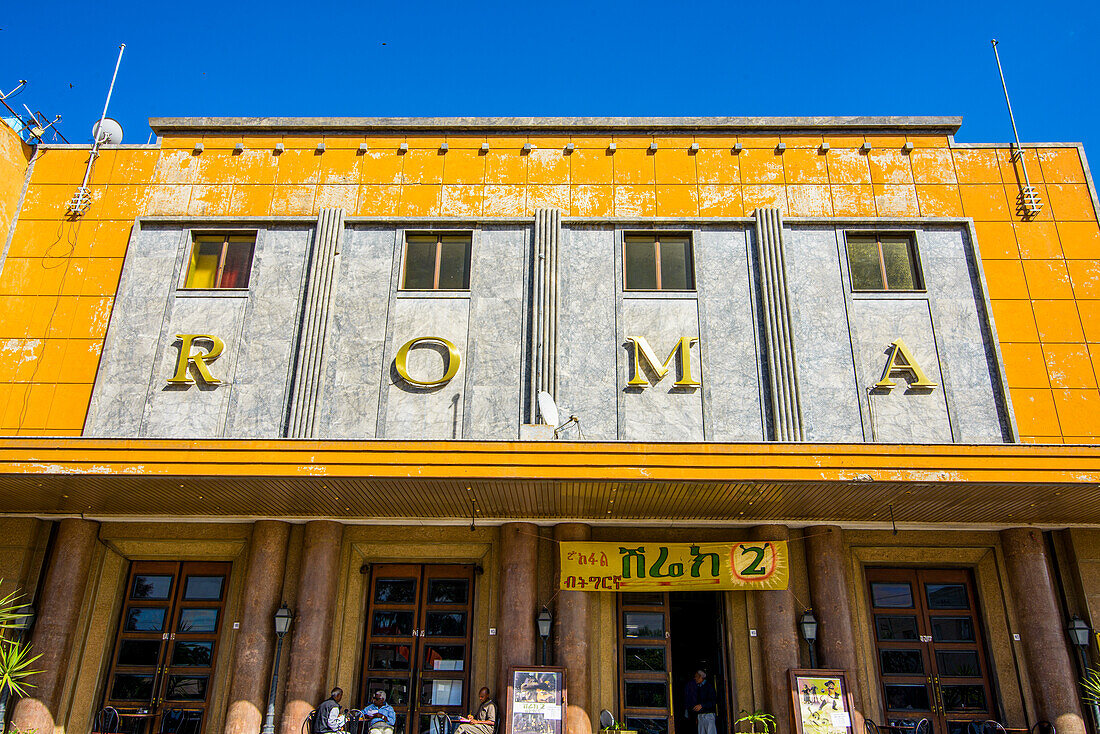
(437, 263)
(658, 263)
(884, 263)
(220, 261)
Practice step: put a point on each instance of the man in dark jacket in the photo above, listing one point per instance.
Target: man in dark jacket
(327, 718)
(699, 700)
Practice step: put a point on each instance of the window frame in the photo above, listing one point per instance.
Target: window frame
(919, 285)
(226, 235)
(656, 237)
(438, 235)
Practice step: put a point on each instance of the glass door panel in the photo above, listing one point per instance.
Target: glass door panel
(645, 662)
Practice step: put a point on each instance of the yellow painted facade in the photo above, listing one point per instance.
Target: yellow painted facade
(1043, 274)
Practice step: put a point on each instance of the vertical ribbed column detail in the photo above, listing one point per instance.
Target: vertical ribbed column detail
(544, 299)
(323, 266)
(786, 405)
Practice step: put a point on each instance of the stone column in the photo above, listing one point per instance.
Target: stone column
(775, 621)
(1049, 668)
(255, 645)
(518, 566)
(836, 644)
(311, 631)
(58, 610)
(571, 638)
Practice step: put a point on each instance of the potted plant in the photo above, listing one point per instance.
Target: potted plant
(1090, 683)
(608, 723)
(15, 655)
(755, 719)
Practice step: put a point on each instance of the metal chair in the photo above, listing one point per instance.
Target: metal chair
(106, 721)
(1044, 727)
(176, 721)
(924, 726)
(307, 725)
(871, 727)
(989, 726)
(352, 724)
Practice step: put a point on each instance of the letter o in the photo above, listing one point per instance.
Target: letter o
(453, 361)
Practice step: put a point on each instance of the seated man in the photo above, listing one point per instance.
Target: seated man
(328, 718)
(380, 714)
(485, 720)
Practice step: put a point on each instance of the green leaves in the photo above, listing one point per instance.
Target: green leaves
(757, 718)
(15, 655)
(1090, 683)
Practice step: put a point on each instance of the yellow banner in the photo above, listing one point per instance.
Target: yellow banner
(674, 566)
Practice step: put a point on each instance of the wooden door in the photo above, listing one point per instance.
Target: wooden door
(645, 662)
(166, 646)
(417, 650)
(931, 661)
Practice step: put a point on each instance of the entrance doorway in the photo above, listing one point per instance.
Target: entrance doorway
(663, 639)
(417, 647)
(166, 646)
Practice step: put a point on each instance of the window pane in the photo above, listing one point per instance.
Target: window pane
(676, 266)
(445, 624)
(186, 688)
(644, 658)
(181, 721)
(193, 654)
(952, 629)
(958, 663)
(646, 695)
(395, 591)
(454, 264)
(901, 662)
(448, 591)
(445, 657)
(138, 652)
(441, 692)
(644, 625)
(205, 254)
(897, 253)
(203, 588)
(863, 264)
(420, 264)
(151, 587)
(195, 621)
(906, 698)
(647, 726)
(238, 263)
(898, 596)
(129, 687)
(144, 620)
(640, 265)
(946, 596)
(389, 657)
(964, 698)
(394, 624)
(396, 690)
(896, 627)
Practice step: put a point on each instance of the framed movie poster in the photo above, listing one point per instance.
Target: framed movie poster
(822, 702)
(536, 700)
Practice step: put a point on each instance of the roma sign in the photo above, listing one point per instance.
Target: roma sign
(674, 566)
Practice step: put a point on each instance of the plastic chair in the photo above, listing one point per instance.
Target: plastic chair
(106, 721)
(1044, 727)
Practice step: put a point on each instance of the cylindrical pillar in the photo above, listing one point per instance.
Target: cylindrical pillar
(832, 608)
(58, 613)
(312, 626)
(571, 638)
(775, 621)
(1049, 668)
(518, 567)
(255, 642)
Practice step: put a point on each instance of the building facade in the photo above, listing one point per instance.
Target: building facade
(312, 362)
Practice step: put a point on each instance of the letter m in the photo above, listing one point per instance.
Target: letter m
(642, 351)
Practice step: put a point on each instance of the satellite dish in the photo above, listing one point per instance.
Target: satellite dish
(548, 408)
(111, 132)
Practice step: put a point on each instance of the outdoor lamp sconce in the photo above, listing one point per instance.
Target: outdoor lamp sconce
(320, 147)
(403, 148)
(780, 148)
(362, 148)
(1079, 632)
(694, 148)
(484, 148)
(527, 148)
(652, 148)
(610, 147)
(865, 148)
(907, 147)
(282, 620)
(238, 148)
(199, 147)
(282, 624)
(543, 621)
(569, 148)
(807, 623)
(443, 148)
(736, 150)
(279, 148)
(823, 148)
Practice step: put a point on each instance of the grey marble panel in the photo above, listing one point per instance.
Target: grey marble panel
(819, 326)
(728, 347)
(969, 361)
(148, 276)
(588, 344)
(354, 369)
(495, 365)
(269, 336)
(660, 412)
(900, 415)
(426, 413)
(198, 410)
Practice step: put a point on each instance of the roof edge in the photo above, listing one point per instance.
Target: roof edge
(943, 125)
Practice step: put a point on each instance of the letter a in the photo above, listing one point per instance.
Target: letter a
(902, 362)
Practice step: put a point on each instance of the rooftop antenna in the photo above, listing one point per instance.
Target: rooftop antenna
(1028, 202)
(36, 127)
(103, 134)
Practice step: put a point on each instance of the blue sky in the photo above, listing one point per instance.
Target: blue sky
(431, 58)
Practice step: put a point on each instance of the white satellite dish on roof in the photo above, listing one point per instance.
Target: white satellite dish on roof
(109, 133)
(548, 409)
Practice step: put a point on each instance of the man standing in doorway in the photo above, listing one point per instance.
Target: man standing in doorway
(699, 700)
